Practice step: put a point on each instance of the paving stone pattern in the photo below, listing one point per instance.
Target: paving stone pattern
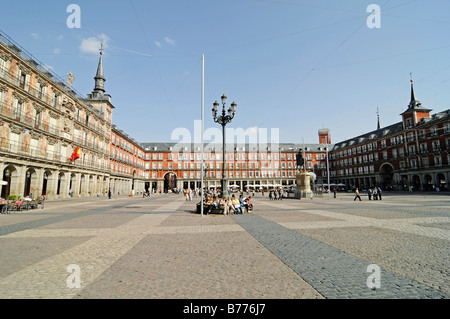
(332, 272)
(158, 247)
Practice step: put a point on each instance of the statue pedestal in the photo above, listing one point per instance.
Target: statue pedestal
(303, 189)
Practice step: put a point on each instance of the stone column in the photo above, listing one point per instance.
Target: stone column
(37, 183)
(52, 184)
(64, 185)
(84, 185)
(76, 181)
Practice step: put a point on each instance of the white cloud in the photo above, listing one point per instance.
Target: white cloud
(60, 37)
(56, 51)
(158, 44)
(92, 45)
(34, 35)
(169, 40)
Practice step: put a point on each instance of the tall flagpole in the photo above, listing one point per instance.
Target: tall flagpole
(203, 101)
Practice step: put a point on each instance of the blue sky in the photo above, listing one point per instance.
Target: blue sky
(295, 65)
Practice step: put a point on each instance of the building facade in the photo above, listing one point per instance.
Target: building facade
(127, 164)
(178, 166)
(412, 154)
(43, 121)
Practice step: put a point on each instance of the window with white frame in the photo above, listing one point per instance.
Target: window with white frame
(436, 145)
(437, 160)
(446, 127)
(433, 131)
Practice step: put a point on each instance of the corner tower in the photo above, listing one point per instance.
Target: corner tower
(324, 136)
(98, 99)
(415, 111)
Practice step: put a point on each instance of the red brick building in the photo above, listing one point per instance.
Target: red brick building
(174, 166)
(413, 153)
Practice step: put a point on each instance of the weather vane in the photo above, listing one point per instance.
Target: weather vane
(70, 79)
(101, 49)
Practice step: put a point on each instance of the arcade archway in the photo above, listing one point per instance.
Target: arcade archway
(386, 175)
(170, 181)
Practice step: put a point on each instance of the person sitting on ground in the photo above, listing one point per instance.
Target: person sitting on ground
(225, 205)
(216, 202)
(231, 209)
(249, 204)
(236, 204)
(243, 203)
(207, 204)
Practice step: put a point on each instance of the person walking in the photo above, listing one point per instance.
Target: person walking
(370, 192)
(357, 195)
(109, 193)
(379, 192)
(334, 192)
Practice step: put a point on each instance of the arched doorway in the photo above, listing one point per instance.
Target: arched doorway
(386, 176)
(30, 176)
(427, 182)
(8, 173)
(45, 182)
(61, 178)
(441, 182)
(170, 181)
(71, 183)
(416, 183)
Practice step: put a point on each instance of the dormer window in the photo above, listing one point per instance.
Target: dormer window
(408, 123)
(433, 131)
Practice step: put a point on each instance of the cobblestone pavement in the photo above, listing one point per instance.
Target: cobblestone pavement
(157, 247)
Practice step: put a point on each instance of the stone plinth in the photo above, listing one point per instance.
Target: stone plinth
(303, 189)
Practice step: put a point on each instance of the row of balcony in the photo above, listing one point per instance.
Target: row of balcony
(335, 164)
(50, 102)
(31, 122)
(42, 153)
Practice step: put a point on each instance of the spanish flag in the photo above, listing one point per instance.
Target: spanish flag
(75, 154)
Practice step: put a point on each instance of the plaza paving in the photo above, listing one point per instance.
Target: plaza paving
(157, 247)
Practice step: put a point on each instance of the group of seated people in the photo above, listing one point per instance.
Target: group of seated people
(230, 205)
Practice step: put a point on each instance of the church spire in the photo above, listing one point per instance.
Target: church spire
(99, 78)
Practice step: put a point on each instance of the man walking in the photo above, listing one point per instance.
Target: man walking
(357, 195)
(379, 192)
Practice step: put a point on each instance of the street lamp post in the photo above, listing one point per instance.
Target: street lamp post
(223, 119)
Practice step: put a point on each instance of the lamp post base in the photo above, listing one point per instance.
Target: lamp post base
(224, 186)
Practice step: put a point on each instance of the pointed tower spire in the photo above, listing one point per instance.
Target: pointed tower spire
(99, 78)
(414, 102)
(415, 112)
(379, 123)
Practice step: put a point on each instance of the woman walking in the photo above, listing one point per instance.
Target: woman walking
(357, 195)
